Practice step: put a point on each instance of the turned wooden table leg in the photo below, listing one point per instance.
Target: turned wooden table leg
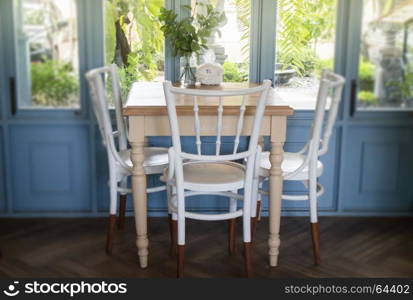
(137, 142)
(277, 138)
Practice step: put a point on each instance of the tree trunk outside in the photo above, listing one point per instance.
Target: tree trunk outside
(122, 49)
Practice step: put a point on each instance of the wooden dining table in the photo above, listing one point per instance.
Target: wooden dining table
(147, 112)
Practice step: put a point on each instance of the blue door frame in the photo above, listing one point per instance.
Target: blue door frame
(53, 164)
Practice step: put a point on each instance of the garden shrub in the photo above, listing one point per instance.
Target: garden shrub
(367, 98)
(54, 84)
(234, 72)
(366, 75)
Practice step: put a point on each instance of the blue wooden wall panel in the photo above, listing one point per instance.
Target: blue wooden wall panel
(2, 174)
(377, 175)
(297, 136)
(102, 174)
(50, 166)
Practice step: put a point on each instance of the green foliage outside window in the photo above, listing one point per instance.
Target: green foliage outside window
(54, 84)
(133, 39)
(302, 24)
(366, 75)
(367, 98)
(366, 80)
(234, 72)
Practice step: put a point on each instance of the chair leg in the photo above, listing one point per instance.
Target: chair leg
(173, 230)
(122, 211)
(247, 259)
(109, 235)
(180, 261)
(231, 235)
(315, 234)
(254, 220)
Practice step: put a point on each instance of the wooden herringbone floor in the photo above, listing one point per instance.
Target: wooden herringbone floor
(351, 247)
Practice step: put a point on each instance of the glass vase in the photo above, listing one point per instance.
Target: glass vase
(188, 70)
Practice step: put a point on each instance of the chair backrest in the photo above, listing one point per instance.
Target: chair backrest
(331, 86)
(104, 84)
(193, 96)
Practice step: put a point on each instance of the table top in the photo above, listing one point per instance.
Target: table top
(147, 98)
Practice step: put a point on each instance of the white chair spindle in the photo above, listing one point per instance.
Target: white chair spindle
(197, 125)
(240, 125)
(219, 127)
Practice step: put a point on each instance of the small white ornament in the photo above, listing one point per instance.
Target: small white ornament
(210, 73)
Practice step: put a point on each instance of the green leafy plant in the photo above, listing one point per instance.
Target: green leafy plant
(301, 25)
(407, 86)
(235, 72)
(366, 75)
(190, 34)
(54, 84)
(403, 87)
(243, 10)
(133, 38)
(367, 97)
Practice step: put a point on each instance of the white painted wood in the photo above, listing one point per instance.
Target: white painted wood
(198, 174)
(240, 125)
(219, 127)
(291, 162)
(197, 126)
(305, 165)
(119, 157)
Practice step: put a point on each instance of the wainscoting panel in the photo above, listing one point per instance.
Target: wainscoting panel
(102, 174)
(376, 175)
(50, 166)
(297, 136)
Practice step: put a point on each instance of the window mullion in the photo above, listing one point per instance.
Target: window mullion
(262, 40)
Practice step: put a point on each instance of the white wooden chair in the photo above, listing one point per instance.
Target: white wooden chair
(104, 84)
(198, 174)
(304, 165)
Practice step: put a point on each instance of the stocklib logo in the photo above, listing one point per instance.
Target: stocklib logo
(12, 289)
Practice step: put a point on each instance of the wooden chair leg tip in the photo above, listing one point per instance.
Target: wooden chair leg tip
(231, 236)
(180, 261)
(110, 233)
(315, 234)
(247, 260)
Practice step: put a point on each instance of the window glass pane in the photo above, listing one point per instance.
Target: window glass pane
(386, 55)
(231, 41)
(47, 53)
(305, 40)
(134, 40)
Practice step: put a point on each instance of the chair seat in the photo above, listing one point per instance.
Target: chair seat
(156, 159)
(290, 163)
(213, 176)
